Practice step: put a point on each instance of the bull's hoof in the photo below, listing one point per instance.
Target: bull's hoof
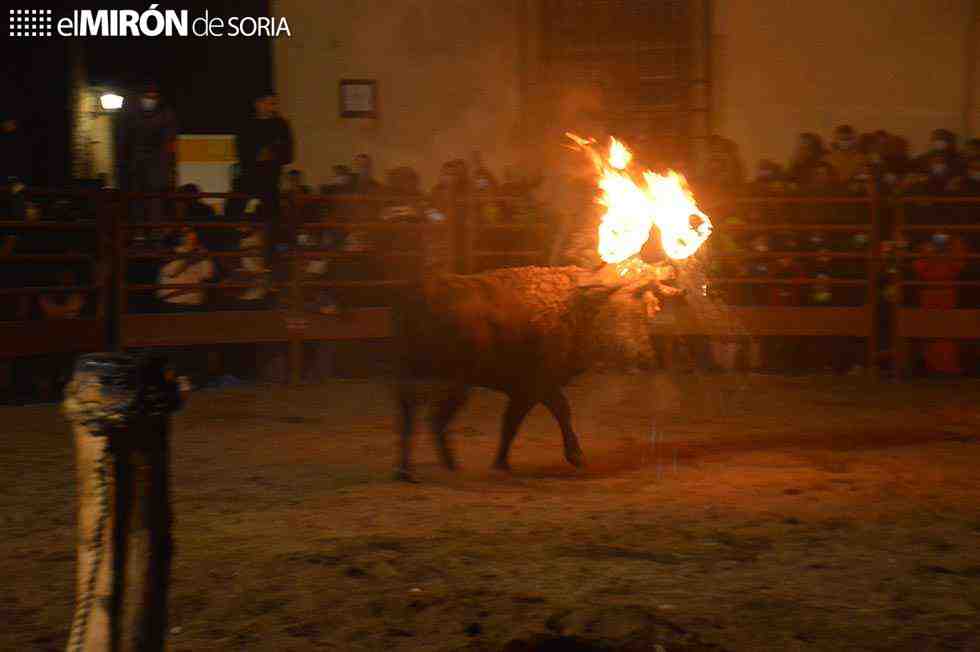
(575, 457)
(404, 475)
(502, 466)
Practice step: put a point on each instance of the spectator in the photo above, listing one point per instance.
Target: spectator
(723, 173)
(967, 184)
(145, 150)
(782, 353)
(480, 171)
(971, 149)
(252, 268)
(193, 267)
(845, 156)
(265, 145)
(15, 152)
(449, 203)
(364, 182)
(896, 162)
(192, 209)
(941, 261)
(63, 305)
(20, 274)
(821, 181)
(296, 183)
(300, 196)
(934, 180)
(195, 210)
(769, 179)
(369, 210)
(405, 194)
(488, 211)
(942, 144)
(809, 151)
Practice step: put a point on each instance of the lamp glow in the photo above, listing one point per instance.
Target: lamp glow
(111, 101)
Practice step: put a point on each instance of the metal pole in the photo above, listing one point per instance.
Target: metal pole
(119, 407)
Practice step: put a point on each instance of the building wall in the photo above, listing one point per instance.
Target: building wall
(782, 68)
(447, 82)
(449, 75)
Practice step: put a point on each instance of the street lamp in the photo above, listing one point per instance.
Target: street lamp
(111, 101)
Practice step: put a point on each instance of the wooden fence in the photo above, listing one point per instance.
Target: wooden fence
(470, 248)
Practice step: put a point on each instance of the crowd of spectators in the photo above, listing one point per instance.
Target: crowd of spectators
(247, 249)
(817, 261)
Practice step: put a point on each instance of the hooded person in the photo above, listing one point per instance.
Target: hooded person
(146, 147)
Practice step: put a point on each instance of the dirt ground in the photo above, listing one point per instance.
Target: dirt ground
(772, 514)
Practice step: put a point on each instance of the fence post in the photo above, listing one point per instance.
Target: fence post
(874, 274)
(119, 214)
(900, 352)
(103, 263)
(294, 317)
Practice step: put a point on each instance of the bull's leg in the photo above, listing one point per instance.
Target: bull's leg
(557, 404)
(407, 402)
(441, 416)
(517, 409)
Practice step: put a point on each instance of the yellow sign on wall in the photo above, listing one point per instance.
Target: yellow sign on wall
(206, 149)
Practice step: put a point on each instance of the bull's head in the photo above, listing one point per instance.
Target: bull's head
(623, 301)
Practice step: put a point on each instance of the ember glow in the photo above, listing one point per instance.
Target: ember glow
(662, 200)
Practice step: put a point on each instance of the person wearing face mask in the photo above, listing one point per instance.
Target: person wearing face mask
(967, 184)
(942, 143)
(933, 179)
(146, 144)
(845, 156)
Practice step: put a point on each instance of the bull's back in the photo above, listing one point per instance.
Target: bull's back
(507, 330)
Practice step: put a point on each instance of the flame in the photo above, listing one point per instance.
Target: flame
(619, 156)
(663, 201)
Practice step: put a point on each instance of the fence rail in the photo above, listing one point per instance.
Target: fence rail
(112, 259)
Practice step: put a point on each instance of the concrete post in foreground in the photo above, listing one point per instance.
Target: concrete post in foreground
(119, 407)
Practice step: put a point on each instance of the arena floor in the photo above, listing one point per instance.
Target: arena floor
(800, 514)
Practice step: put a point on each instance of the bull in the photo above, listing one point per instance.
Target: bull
(525, 332)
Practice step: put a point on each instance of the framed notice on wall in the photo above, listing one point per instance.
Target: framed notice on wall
(358, 98)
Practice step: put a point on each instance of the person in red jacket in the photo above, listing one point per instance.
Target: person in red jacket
(940, 263)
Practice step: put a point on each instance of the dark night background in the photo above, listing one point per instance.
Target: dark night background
(210, 82)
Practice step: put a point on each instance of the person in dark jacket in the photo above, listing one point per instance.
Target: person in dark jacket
(15, 153)
(264, 146)
(145, 149)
